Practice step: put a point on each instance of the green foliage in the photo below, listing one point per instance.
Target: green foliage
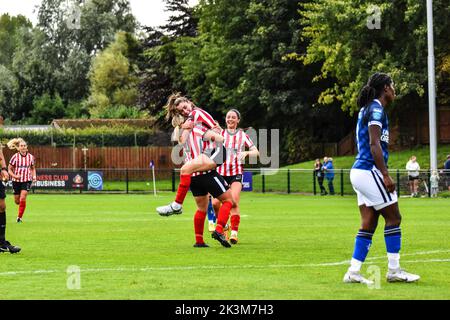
(112, 79)
(350, 52)
(99, 136)
(9, 29)
(47, 107)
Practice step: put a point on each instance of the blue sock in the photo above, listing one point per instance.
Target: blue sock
(362, 244)
(393, 239)
(211, 213)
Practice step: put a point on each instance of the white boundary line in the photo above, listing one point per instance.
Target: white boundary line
(217, 267)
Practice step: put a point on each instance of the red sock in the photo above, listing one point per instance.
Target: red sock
(224, 214)
(235, 219)
(183, 188)
(199, 225)
(22, 206)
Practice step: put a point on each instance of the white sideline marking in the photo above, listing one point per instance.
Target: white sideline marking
(270, 266)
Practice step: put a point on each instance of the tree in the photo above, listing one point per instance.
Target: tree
(112, 78)
(9, 28)
(160, 74)
(349, 51)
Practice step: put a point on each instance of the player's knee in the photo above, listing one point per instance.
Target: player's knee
(17, 201)
(2, 208)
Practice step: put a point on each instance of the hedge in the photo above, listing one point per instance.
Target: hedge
(93, 137)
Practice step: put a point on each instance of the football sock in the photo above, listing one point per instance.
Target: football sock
(235, 220)
(393, 240)
(224, 214)
(22, 206)
(211, 213)
(183, 188)
(199, 225)
(2, 226)
(362, 245)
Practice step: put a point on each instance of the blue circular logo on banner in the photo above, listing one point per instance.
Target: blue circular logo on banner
(95, 180)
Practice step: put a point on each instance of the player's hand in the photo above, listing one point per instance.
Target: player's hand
(5, 175)
(188, 125)
(217, 128)
(34, 179)
(389, 183)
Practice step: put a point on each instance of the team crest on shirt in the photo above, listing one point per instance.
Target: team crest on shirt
(385, 136)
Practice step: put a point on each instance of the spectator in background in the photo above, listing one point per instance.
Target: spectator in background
(447, 171)
(329, 173)
(413, 176)
(434, 183)
(318, 171)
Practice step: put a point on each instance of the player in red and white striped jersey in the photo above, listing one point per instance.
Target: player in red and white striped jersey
(22, 170)
(5, 245)
(235, 142)
(186, 115)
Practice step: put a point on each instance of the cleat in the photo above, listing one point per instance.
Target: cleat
(234, 239)
(356, 277)
(168, 210)
(211, 226)
(19, 220)
(201, 245)
(221, 238)
(400, 275)
(8, 247)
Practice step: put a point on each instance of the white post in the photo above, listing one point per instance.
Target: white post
(431, 88)
(154, 181)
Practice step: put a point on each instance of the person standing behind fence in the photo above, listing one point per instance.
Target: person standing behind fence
(434, 183)
(329, 173)
(23, 172)
(413, 168)
(447, 171)
(318, 172)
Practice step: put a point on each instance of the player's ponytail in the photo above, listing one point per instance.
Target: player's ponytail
(373, 89)
(366, 95)
(13, 144)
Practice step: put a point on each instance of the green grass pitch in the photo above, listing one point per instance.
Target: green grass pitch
(291, 247)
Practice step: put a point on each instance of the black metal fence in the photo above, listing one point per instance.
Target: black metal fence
(263, 180)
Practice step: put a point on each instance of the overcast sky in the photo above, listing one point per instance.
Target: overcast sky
(147, 12)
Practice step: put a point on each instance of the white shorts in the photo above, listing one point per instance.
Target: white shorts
(370, 189)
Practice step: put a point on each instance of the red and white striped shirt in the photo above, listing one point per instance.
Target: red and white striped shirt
(22, 166)
(202, 118)
(235, 144)
(195, 145)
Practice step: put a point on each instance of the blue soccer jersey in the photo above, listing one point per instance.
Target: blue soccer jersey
(373, 114)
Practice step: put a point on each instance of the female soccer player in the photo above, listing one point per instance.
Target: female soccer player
(184, 113)
(235, 141)
(370, 179)
(23, 172)
(5, 246)
(204, 183)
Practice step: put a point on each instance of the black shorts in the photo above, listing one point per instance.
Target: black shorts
(218, 154)
(411, 178)
(2, 190)
(211, 182)
(19, 186)
(231, 179)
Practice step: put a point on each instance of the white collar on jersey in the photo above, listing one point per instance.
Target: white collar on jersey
(377, 101)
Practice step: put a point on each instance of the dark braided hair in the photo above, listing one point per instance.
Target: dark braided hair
(373, 88)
